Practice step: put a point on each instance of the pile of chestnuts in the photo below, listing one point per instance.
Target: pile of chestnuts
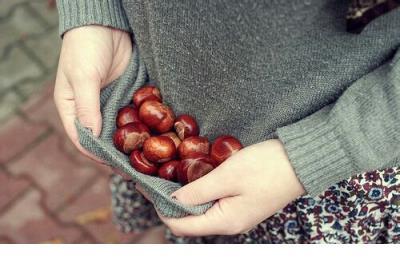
(160, 144)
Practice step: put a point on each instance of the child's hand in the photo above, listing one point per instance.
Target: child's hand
(91, 58)
(250, 186)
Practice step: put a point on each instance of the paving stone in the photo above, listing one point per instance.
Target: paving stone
(47, 48)
(34, 88)
(8, 104)
(7, 5)
(28, 222)
(95, 202)
(40, 108)
(107, 233)
(16, 136)
(54, 172)
(18, 25)
(92, 210)
(46, 10)
(6, 240)
(11, 188)
(17, 66)
(53, 191)
(71, 150)
(43, 110)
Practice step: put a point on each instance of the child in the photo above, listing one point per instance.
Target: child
(312, 102)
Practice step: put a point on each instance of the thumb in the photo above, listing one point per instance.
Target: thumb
(213, 186)
(87, 103)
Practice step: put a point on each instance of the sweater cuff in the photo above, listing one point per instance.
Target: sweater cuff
(76, 13)
(315, 152)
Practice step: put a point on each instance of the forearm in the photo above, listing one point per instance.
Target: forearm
(359, 132)
(76, 13)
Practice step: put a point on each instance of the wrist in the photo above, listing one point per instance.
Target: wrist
(286, 173)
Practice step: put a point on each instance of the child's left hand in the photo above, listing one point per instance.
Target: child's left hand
(249, 187)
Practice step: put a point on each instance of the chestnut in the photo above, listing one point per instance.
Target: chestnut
(146, 93)
(186, 126)
(191, 145)
(126, 115)
(223, 147)
(168, 170)
(194, 167)
(157, 116)
(159, 149)
(130, 137)
(141, 164)
(174, 138)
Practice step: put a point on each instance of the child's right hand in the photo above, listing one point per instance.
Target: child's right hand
(91, 58)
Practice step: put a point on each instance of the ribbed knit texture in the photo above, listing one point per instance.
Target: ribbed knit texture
(258, 69)
(76, 13)
(314, 148)
(360, 132)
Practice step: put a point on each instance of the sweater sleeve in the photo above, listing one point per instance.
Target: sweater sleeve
(76, 13)
(357, 133)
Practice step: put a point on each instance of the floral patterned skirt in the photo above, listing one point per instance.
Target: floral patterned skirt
(363, 209)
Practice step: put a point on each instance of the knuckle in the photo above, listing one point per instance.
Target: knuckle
(82, 110)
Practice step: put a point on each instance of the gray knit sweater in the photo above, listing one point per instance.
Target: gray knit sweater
(264, 69)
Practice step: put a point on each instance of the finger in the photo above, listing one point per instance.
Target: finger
(218, 220)
(215, 185)
(64, 100)
(87, 101)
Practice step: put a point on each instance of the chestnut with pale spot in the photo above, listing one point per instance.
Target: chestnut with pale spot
(168, 170)
(194, 167)
(192, 145)
(224, 147)
(126, 115)
(159, 144)
(159, 149)
(146, 93)
(157, 116)
(174, 138)
(186, 126)
(141, 164)
(130, 137)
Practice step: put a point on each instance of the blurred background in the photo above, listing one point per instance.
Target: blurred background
(49, 193)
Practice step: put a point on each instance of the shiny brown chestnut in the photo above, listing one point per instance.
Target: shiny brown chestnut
(126, 115)
(146, 93)
(186, 126)
(168, 170)
(157, 116)
(192, 145)
(159, 149)
(194, 167)
(174, 138)
(130, 137)
(223, 147)
(141, 164)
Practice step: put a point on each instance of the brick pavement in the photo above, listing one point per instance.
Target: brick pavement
(49, 193)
